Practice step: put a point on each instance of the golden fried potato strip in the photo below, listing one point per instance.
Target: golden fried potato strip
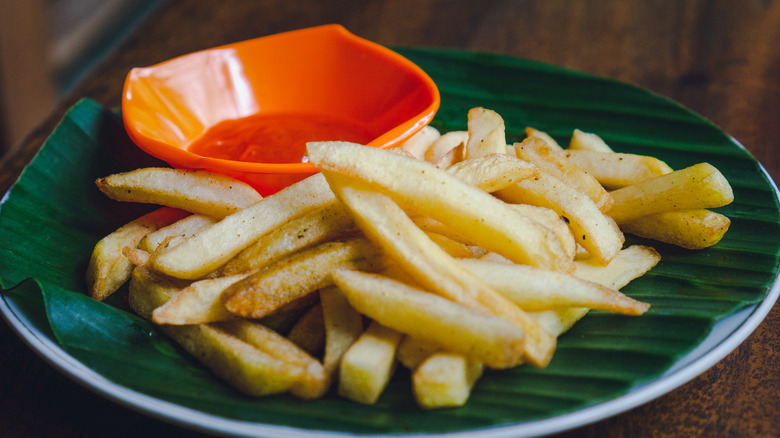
(196, 191)
(434, 193)
(429, 317)
(108, 268)
(211, 248)
(383, 221)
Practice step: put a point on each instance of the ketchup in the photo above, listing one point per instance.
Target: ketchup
(279, 138)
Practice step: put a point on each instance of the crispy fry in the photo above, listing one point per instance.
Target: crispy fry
(413, 351)
(553, 222)
(690, 229)
(492, 172)
(201, 192)
(108, 268)
(591, 228)
(445, 380)
(450, 246)
(444, 144)
(630, 263)
(391, 229)
(137, 257)
(317, 226)
(433, 226)
(436, 194)
(431, 318)
(487, 133)
(368, 364)
(586, 141)
(554, 162)
(695, 187)
(310, 382)
(198, 303)
(343, 325)
(614, 170)
(181, 229)
(453, 156)
(535, 289)
(302, 273)
(238, 363)
(541, 135)
(418, 144)
(208, 250)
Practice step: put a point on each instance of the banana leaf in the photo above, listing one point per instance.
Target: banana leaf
(53, 216)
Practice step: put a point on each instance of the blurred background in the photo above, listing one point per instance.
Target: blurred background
(46, 46)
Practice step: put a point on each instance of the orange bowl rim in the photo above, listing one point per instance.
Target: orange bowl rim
(179, 157)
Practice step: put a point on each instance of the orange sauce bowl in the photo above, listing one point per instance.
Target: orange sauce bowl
(247, 109)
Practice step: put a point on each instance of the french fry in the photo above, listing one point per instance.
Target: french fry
(554, 162)
(695, 187)
(487, 133)
(690, 229)
(445, 380)
(453, 156)
(535, 289)
(181, 229)
(343, 326)
(234, 361)
(208, 250)
(444, 144)
(413, 351)
(309, 332)
(147, 291)
(201, 192)
(433, 226)
(432, 192)
(553, 222)
(317, 226)
(311, 381)
(108, 268)
(390, 228)
(419, 143)
(591, 228)
(432, 318)
(630, 263)
(291, 278)
(541, 135)
(450, 246)
(615, 170)
(586, 141)
(368, 364)
(492, 172)
(198, 303)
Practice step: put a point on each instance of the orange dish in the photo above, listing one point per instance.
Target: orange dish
(247, 109)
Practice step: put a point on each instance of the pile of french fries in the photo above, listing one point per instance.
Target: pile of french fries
(450, 255)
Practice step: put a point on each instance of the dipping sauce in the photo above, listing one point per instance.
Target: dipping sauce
(278, 138)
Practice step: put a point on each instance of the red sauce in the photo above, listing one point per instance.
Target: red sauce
(275, 138)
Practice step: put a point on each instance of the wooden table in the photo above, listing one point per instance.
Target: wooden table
(720, 58)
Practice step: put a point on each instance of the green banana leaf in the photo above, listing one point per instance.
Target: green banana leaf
(54, 215)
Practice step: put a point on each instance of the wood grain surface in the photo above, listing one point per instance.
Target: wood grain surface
(719, 58)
